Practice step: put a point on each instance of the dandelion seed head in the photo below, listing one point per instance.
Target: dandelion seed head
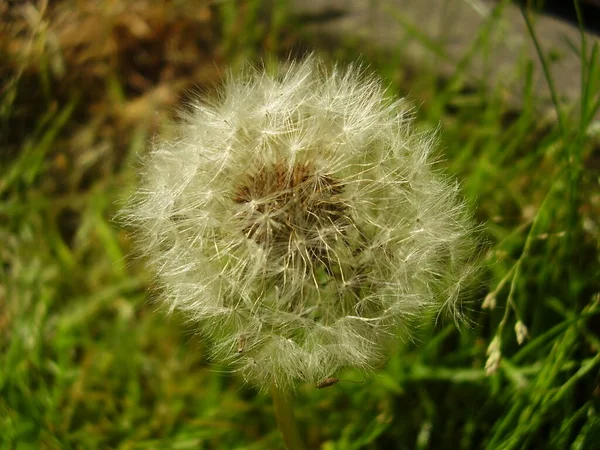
(298, 220)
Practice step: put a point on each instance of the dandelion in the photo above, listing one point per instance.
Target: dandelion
(297, 219)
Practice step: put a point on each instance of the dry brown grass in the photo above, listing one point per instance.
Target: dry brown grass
(122, 65)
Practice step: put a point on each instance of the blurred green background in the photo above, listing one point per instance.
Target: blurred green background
(89, 361)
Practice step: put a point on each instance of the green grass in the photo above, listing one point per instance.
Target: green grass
(88, 361)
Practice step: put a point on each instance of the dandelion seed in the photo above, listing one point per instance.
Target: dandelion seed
(327, 382)
(298, 221)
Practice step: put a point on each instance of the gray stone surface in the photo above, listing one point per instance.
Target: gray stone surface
(454, 25)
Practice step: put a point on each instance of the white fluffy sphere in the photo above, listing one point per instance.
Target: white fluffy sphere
(297, 219)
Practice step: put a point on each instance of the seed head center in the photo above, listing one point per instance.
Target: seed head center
(291, 205)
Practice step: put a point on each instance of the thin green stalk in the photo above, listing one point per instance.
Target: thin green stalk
(546, 69)
(286, 420)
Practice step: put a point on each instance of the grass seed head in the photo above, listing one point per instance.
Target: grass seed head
(297, 219)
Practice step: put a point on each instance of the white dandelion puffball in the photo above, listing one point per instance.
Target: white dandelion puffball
(296, 218)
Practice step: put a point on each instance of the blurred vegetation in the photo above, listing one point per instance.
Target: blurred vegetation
(88, 361)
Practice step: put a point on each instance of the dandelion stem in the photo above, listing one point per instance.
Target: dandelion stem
(286, 420)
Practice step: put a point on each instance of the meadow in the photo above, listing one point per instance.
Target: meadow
(88, 359)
